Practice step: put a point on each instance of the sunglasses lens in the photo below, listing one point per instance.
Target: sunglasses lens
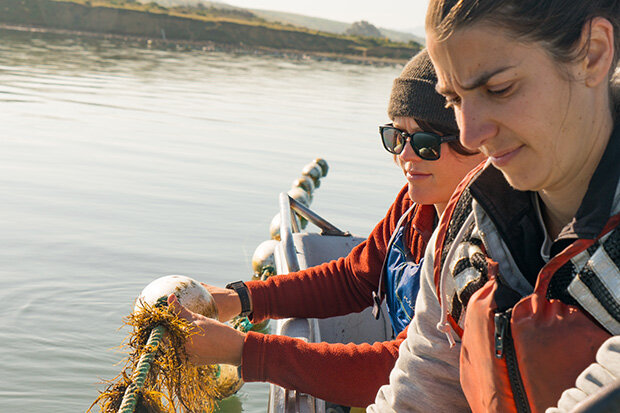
(427, 145)
(393, 141)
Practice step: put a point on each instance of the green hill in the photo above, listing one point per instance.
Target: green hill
(182, 24)
(327, 25)
(299, 20)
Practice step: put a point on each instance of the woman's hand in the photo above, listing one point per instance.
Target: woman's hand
(226, 300)
(213, 342)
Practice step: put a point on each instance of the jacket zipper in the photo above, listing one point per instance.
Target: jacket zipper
(504, 347)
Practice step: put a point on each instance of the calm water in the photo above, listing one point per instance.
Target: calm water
(120, 164)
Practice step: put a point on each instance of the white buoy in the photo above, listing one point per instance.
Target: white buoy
(304, 182)
(263, 256)
(314, 171)
(323, 164)
(300, 195)
(230, 376)
(274, 227)
(191, 294)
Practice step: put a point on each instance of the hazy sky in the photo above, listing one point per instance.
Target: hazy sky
(389, 14)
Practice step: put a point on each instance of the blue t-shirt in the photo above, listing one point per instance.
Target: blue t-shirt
(402, 281)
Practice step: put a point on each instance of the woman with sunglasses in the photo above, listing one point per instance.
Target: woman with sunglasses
(520, 289)
(423, 140)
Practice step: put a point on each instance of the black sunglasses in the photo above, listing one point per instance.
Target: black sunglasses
(427, 145)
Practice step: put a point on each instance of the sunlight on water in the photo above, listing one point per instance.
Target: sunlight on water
(120, 164)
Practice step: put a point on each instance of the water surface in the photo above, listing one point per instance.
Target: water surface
(120, 164)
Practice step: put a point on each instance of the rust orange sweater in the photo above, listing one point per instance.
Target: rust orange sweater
(348, 374)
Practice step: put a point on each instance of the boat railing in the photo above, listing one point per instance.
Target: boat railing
(326, 227)
(287, 220)
(289, 223)
(293, 400)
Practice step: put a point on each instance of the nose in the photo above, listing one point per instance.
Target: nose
(475, 124)
(408, 154)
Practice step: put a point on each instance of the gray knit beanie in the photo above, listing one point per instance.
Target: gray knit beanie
(414, 95)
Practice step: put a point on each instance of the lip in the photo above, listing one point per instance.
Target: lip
(414, 176)
(502, 158)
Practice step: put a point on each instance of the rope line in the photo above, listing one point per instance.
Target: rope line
(132, 393)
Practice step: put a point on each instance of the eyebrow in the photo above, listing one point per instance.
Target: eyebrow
(476, 83)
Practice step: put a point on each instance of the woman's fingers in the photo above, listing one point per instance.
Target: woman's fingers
(214, 342)
(178, 309)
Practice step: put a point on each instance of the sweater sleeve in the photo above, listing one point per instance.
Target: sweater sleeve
(350, 374)
(426, 374)
(335, 288)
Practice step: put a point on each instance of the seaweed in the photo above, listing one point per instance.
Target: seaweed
(173, 383)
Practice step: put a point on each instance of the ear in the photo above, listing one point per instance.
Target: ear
(599, 41)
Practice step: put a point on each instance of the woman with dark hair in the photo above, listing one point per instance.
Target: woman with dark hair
(520, 288)
(423, 139)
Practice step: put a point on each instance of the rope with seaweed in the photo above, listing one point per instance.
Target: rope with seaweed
(157, 376)
(132, 393)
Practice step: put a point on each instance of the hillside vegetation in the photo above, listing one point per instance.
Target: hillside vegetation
(299, 20)
(190, 24)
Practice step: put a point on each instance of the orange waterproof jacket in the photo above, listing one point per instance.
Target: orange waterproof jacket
(523, 358)
(520, 351)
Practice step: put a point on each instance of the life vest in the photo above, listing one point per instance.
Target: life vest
(401, 275)
(518, 354)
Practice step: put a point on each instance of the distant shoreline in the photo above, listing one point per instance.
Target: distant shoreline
(169, 30)
(209, 46)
